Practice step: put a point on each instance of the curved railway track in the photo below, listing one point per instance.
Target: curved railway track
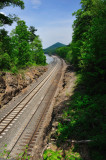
(9, 117)
(31, 130)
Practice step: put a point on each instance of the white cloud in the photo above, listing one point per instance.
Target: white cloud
(36, 3)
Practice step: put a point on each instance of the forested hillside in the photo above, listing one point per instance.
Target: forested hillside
(52, 49)
(22, 47)
(87, 53)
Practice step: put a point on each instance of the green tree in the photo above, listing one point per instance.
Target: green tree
(25, 51)
(20, 44)
(62, 51)
(23, 47)
(93, 57)
(88, 54)
(32, 33)
(38, 54)
(9, 19)
(5, 49)
(5, 41)
(80, 27)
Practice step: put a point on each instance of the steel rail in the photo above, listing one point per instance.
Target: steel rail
(42, 114)
(9, 122)
(39, 125)
(25, 96)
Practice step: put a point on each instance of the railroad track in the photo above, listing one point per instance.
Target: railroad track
(32, 128)
(10, 116)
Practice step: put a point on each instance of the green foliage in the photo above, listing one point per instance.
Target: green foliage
(52, 49)
(22, 49)
(87, 52)
(5, 20)
(57, 155)
(4, 152)
(62, 51)
(49, 154)
(32, 33)
(72, 156)
(20, 44)
(9, 19)
(4, 42)
(84, 112)
(21, 156)
(14, 69)
(5, 50)
(87, 121)
(5, 61)
(37, 51)
(5, 3)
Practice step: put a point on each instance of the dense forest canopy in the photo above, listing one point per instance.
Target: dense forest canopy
(87, 53)
(22, 47)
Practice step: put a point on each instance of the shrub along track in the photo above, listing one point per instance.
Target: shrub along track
(31, 131)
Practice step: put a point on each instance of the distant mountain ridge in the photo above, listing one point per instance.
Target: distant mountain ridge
(51, 50)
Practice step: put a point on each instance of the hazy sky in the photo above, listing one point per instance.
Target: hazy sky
(52, 18)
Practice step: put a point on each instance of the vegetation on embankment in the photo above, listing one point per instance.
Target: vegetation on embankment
(86, 52)
(12, 84)
(19, 52)
(22, 47)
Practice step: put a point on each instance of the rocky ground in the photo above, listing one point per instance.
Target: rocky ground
(62, 100)
(12, 84)
(65, 90)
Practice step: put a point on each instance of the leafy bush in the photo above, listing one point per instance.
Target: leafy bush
(50, 155)
(5, 61)
(57, 155)
(72, 156)
(14, 69)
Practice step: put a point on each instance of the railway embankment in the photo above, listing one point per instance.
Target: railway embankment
(12, 84)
